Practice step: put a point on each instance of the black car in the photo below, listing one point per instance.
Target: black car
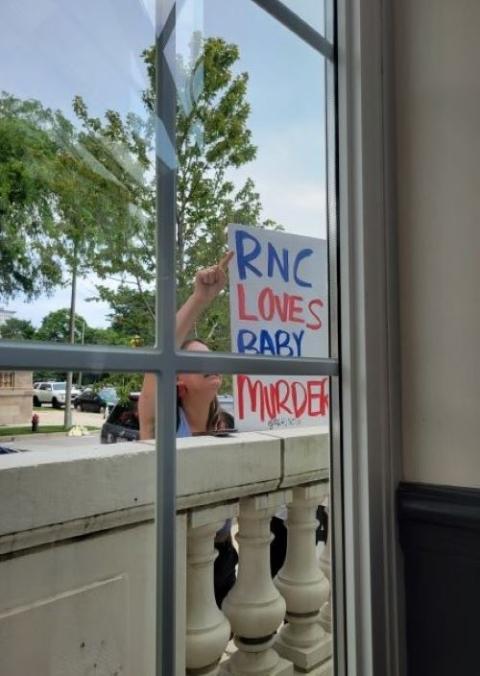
(122, 423)
(96, 401)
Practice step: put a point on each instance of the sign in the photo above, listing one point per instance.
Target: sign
(278, 307)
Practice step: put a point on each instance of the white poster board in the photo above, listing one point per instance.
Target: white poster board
(278, 306)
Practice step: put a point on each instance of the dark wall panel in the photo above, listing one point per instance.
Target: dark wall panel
(440, 538)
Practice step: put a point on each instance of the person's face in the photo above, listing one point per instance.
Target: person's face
(206, 384)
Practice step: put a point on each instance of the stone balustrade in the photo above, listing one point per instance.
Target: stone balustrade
(77, 558)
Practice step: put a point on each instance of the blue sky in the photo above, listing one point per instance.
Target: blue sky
(56, 49)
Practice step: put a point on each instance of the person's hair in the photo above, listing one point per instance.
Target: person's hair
(215, 413)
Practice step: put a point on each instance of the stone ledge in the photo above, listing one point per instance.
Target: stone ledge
(59, 532)
(42, 489)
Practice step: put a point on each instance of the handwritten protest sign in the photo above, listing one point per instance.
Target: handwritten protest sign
(278, 306)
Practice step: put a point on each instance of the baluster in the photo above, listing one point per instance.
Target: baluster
(303, 585)
(254, 606)
(207, 630)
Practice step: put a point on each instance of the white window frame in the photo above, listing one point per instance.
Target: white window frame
(370, 378)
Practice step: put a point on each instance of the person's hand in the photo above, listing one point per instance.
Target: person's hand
(210, 281)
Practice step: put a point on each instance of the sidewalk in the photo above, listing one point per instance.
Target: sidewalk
(52, 416)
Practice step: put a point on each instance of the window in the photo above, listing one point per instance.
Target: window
(115, 176)
(290, 179)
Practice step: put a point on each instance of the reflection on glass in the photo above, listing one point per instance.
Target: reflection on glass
(77, 195)
(250, 141)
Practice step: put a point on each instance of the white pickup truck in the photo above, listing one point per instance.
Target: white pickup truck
(52, 393)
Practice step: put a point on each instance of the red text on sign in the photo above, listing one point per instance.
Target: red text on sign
(284, 307)
(295, 398)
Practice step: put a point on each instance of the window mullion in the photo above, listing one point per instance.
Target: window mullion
(32, 355)
(165, 124)
(204, 362)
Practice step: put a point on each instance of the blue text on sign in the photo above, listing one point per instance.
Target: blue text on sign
(248, 249)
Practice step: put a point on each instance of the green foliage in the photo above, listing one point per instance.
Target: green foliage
(124, 384)
(28, 260)
(17, 329)
(58, 203)
(16, 431)
(47, 375)
(132, 313)
(55, 327)
(108, 336)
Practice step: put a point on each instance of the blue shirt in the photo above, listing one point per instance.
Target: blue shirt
(183, 429)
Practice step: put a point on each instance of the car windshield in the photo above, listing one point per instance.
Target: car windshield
(59, 386)
(108, 394)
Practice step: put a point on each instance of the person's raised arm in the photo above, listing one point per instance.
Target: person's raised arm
(146, 407)
(208, 284)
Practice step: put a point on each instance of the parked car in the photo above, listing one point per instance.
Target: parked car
(52, 393)
(97, 401)
(122, 423)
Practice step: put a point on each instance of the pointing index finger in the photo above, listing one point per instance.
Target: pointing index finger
(223, 264)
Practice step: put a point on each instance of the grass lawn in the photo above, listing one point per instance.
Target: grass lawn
(26, 429)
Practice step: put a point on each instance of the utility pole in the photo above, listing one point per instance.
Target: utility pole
(67, 420)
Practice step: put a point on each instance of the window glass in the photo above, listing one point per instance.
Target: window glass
(310, 11)
(77, 172)
(77, 534)
(251, 142)
(79, 148)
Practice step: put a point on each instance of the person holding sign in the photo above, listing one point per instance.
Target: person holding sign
(197, 393)
(198, 411)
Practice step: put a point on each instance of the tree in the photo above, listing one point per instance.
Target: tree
(132, 314)
(57, 204)
(28, 257)
(17, 329)
(213, 140)
(55, 327)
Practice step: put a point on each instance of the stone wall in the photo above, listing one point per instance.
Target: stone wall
(77, 543)
(15, 397)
